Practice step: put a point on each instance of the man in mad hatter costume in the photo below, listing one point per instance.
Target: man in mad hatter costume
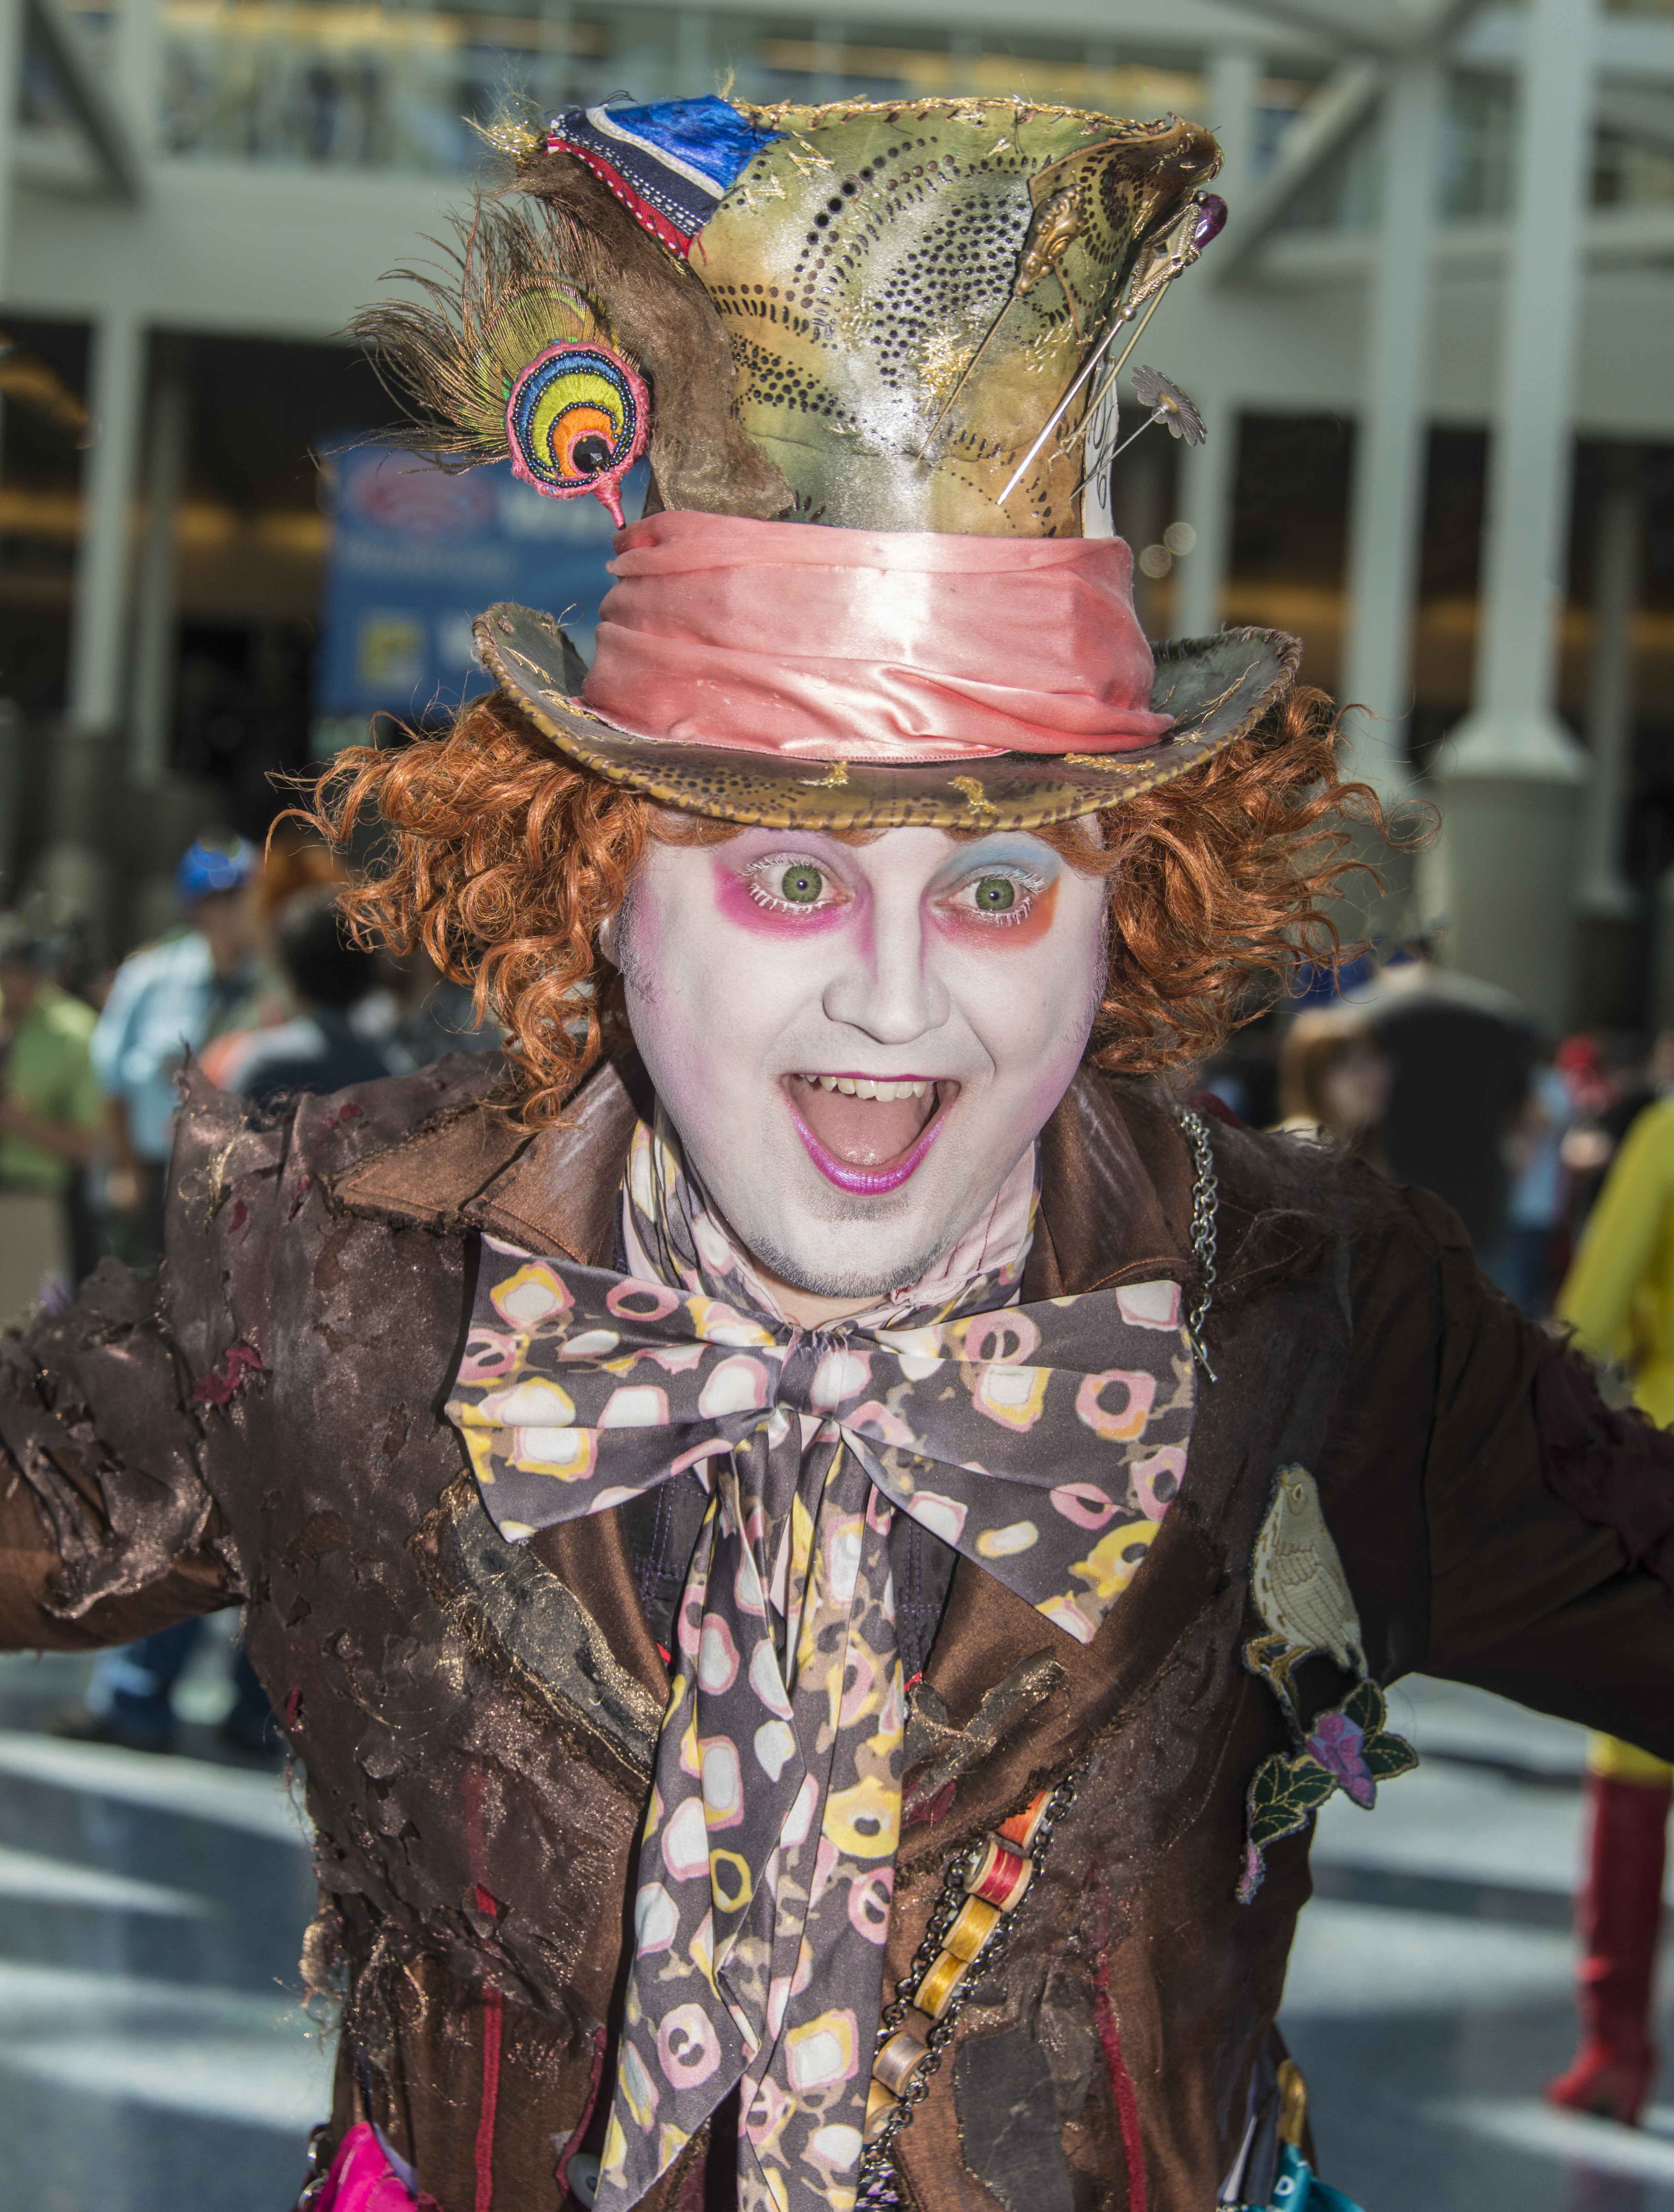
(821, 1541)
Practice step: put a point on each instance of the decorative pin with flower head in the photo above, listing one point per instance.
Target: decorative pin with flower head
(1165, 403)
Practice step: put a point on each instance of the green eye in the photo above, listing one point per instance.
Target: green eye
(995, 893)
(801, 885)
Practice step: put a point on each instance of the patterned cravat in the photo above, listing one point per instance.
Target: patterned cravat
(1044, 1442)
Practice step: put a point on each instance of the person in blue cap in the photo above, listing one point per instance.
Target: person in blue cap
(169, 999)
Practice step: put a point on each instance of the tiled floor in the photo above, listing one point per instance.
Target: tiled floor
(153, 2057)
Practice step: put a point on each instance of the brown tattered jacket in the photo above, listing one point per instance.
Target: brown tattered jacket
(478, 1720)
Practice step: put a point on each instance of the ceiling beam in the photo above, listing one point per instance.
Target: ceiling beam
(1351, 24)
(1634, 49)
(1331, 117)
(1341, 21)
(1611, 238)
(106, 130)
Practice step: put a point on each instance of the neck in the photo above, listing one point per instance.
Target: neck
(998, 1232)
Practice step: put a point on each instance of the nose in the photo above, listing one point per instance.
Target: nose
(887, 988)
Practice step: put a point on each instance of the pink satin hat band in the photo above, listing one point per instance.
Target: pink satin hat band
(871, 645)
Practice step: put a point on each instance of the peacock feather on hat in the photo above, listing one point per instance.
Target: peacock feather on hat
(510, 358)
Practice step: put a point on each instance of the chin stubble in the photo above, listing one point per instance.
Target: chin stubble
(852, 1282)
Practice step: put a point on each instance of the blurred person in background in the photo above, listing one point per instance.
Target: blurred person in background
(1594, 1129)
(1243, 1074)
(169, 1000)
(1461, 1056)
(1334, 1081)
(331, 978)
(290, 864)
(51, 1116)
(1618, 1298)
(1527, 1259)
(1610, 1087)
(434, 1015)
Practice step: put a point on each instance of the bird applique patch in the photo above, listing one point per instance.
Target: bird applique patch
(1302, 1595)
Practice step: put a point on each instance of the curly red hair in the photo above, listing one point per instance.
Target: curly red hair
(503, 859)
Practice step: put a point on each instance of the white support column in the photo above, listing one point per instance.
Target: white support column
(1386, 513)
(98, 633)
(1605, 891)
(11, 62)
(73, 871)
(1209, 472)
(1510, 773)
(155, 613)
(136, 71)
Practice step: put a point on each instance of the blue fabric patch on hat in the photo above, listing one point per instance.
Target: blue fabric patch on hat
(671, 162)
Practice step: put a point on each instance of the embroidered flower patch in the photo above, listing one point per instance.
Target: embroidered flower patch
(1347, 1748)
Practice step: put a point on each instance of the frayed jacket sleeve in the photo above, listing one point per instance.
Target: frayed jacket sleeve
(107, 1527)
(1550, 1519)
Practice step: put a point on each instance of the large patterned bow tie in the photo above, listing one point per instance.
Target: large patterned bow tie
(1044, 1442)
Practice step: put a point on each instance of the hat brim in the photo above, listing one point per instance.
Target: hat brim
(1215, 688)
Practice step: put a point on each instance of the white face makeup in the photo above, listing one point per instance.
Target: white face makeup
(857, 1043)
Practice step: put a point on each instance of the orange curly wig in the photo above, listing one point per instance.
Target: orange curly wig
(502, 858)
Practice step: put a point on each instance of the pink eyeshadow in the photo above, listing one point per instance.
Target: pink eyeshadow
(732, 895)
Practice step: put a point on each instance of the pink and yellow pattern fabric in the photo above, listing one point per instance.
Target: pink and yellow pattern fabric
(1045, 1443)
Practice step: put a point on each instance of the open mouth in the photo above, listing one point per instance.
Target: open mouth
(868, 1133)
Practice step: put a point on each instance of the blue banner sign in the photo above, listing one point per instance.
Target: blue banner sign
(416, 553)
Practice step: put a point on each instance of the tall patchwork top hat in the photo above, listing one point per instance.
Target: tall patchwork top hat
(871, 354)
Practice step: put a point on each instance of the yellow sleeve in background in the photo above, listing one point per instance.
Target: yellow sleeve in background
(1628, 1229)
(1607, 1756)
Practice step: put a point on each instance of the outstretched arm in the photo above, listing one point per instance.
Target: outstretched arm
(108, 1529)
(1551, 1523)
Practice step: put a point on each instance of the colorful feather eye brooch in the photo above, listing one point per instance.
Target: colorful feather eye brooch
(575, 414)
(514, 359)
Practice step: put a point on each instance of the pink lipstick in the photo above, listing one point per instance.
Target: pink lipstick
(867, 1176)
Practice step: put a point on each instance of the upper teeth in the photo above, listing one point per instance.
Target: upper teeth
(864, 1086)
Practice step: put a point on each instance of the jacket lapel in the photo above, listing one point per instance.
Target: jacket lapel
(558, 1193)
(592, 1661)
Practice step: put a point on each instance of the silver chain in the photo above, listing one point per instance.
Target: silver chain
(1205, 1194)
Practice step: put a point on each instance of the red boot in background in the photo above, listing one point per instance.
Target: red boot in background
(1618, 1918)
